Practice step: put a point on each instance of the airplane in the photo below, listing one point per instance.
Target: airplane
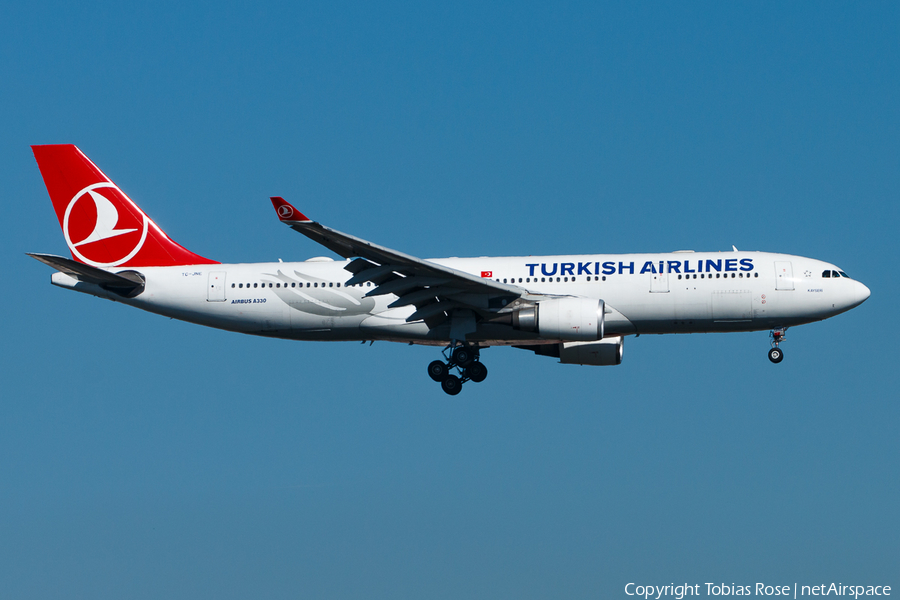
(577, 308)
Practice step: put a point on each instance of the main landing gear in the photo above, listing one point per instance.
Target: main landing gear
(465, 360)
(775, 354)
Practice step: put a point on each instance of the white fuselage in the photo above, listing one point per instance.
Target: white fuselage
(681, 292)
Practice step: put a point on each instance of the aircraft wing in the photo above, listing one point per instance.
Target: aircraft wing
(435, 290)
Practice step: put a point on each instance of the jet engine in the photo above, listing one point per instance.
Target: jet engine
(602, 353)
(565, 319)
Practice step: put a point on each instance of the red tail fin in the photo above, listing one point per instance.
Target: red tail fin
(102, 226)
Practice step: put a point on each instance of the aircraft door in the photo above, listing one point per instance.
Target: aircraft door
(784, 275)
(659, 282)
(216, 288)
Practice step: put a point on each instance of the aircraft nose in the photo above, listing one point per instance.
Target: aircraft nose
(860, 294)
(863, 293)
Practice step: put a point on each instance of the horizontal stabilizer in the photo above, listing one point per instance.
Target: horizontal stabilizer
(127, 283)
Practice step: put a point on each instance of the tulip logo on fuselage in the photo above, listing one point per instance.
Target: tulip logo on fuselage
(107, 216)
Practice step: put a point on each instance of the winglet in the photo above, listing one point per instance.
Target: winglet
(287, 213)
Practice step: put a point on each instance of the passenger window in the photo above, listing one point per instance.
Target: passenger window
(330, 284)
(604, 278)
(543, 280)
(241, 285)
(255, 284)
(557, 280)
(679, 277)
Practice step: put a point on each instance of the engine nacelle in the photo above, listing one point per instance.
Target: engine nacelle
(565, 319)
(606, 352)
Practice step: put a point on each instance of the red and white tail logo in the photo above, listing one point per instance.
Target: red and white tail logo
(103, 227)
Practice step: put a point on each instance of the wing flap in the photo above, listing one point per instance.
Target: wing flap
(373, 274)
(359, 265)
(426, 294)
(433, 309)
(402, 285)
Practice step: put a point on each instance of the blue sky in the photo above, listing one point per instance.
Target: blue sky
(144, 458)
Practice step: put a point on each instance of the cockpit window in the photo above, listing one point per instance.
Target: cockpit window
(844, 275)
(826, 273)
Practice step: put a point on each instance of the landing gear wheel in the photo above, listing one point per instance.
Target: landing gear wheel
(438, 371)
(776, 355)
(451, 384)
(476, 372)
(463, 356)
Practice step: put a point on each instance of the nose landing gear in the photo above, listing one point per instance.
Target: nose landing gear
(465, 360)
(777, 335)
